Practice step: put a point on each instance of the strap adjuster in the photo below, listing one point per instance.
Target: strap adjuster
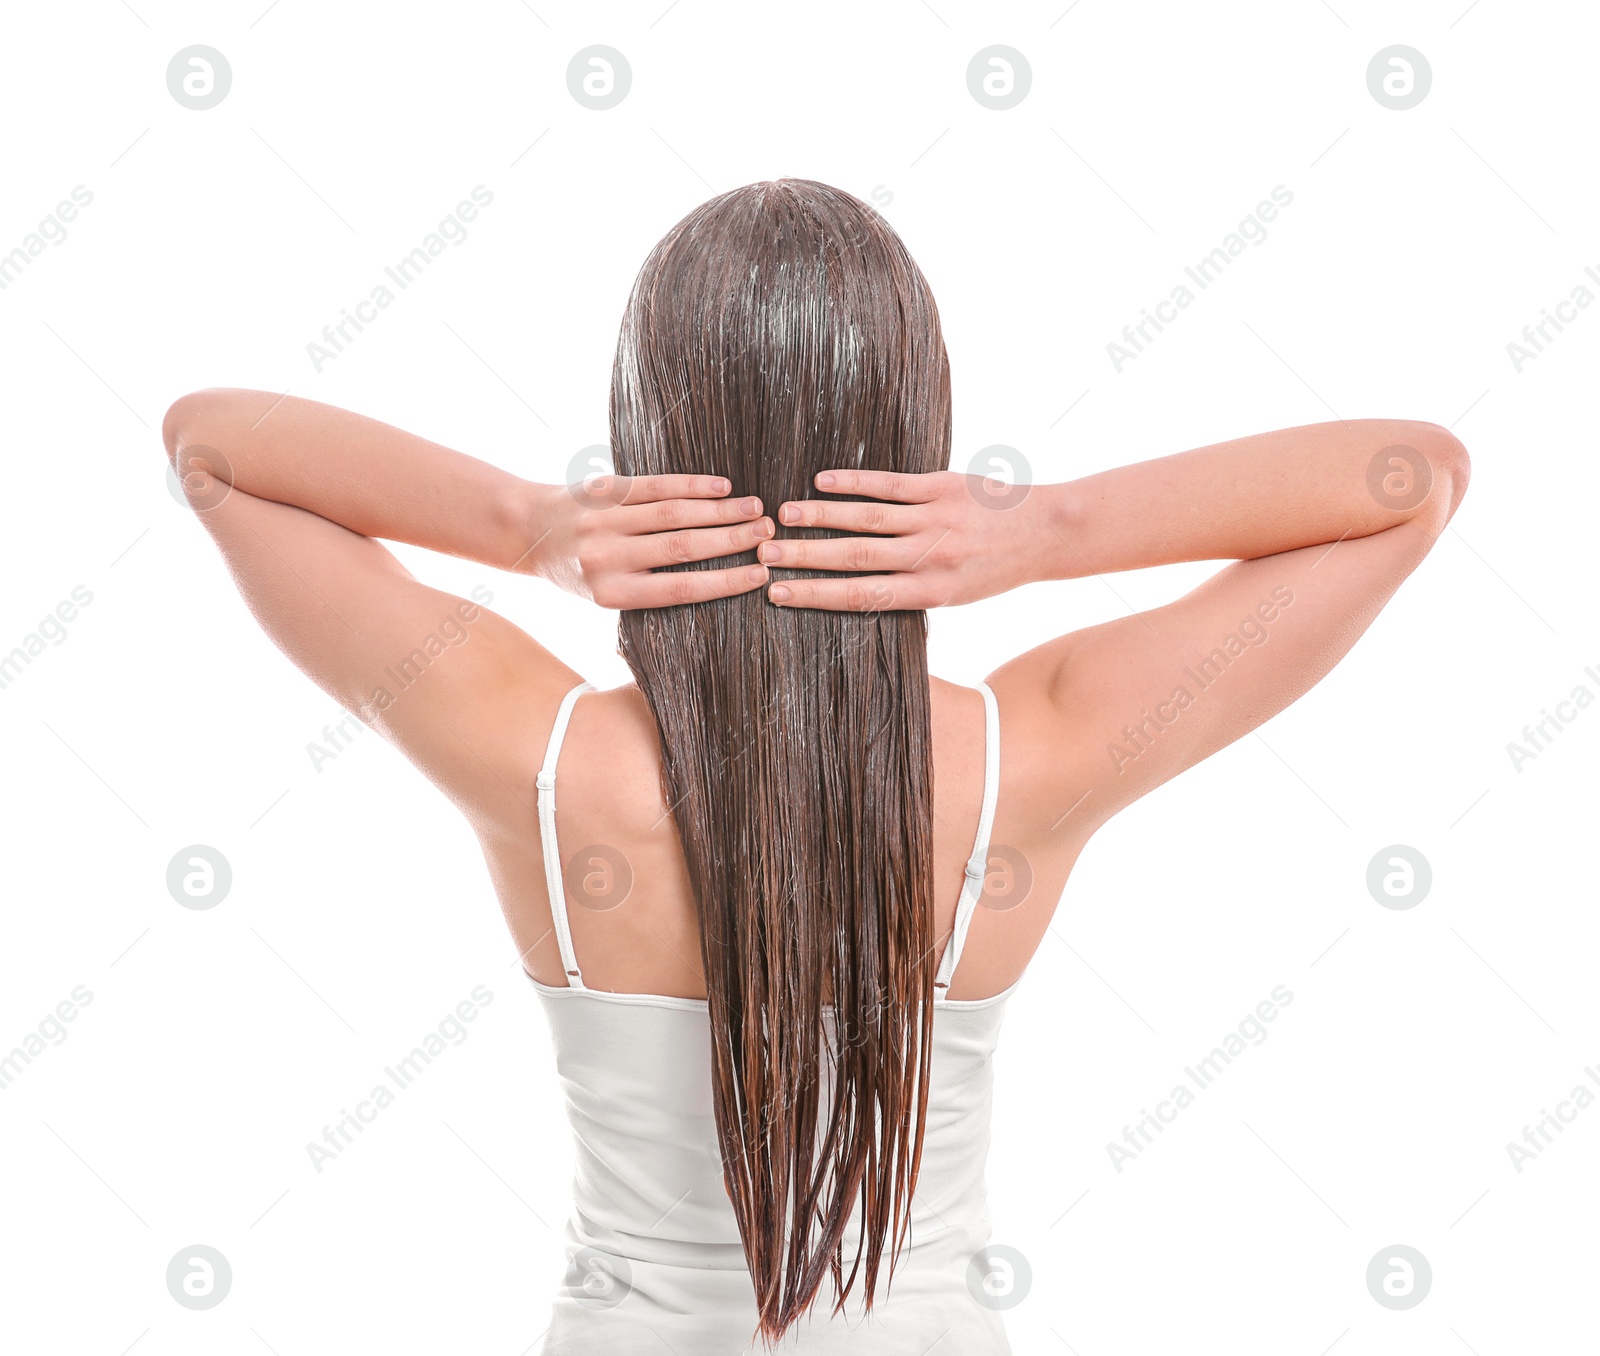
(977, 868)
(546, 781)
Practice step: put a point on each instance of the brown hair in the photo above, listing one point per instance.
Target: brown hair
(779, 330)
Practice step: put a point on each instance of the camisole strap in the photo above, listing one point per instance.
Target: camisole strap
(978, 863)
(547, 836)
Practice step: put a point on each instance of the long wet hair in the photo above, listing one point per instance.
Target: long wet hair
(779, 330)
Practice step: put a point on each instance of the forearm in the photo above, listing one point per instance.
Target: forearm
(1254, 496)
(360, 473)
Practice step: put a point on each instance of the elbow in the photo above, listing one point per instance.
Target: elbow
(177, 425)
(1448, 461)
(1448, 456)
(189, 419)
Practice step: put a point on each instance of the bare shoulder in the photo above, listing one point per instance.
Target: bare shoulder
(611, 757)
(1045, 778)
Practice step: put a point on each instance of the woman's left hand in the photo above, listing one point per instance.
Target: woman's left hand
(932, 539)
(605, 539)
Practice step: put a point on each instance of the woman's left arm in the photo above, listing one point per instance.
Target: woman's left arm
(296, 493)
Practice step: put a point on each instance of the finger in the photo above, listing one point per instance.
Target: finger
(873, 593)
(651, 489)
(671, 515)
(703, 543)
(880, 555)
(850, 517)
(906, 487)
(686, 586)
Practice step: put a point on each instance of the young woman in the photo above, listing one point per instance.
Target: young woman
(774, 1006)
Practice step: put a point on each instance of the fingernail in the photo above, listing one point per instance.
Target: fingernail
(790, 514)
(825, 480)
(769, 551)
(723, 485)
(779, 593)
(749, 505)
(756, 573)
(764, 527)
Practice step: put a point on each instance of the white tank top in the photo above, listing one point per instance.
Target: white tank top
(654, 1260)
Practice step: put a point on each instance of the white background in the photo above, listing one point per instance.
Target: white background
(178, 1108)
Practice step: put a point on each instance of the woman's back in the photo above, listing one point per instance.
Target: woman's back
(633, 917)
(653, 1244)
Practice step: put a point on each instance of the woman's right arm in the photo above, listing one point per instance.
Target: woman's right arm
(1323, 523)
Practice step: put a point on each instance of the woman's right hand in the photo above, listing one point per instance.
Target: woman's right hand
(609, 539)
(937, 539)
